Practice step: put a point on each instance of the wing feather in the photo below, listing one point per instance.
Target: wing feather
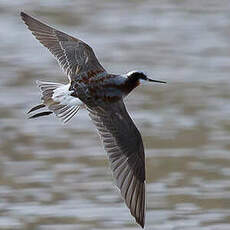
(123, 144)
(73, 55)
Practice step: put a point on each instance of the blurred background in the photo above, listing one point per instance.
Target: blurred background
(55, 176)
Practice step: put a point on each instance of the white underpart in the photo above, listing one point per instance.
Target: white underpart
(63, 96)
(57, 97)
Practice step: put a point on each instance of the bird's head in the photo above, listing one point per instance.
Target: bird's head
(135, 78)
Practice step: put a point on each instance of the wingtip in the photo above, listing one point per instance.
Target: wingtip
(142, 224)
(23, 15)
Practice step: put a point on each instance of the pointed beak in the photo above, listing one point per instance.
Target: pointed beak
(151, 80)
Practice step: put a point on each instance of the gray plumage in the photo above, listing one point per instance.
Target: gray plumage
(73, 55)
(123, 144)
(121, 139)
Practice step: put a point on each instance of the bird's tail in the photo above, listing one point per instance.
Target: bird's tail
(57, 97)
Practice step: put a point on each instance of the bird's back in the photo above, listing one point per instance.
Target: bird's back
(99, 88)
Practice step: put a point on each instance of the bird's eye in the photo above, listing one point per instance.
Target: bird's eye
(143, 77)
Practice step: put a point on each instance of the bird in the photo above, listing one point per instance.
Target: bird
(92, 88)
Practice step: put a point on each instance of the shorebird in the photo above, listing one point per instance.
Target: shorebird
(102, 94)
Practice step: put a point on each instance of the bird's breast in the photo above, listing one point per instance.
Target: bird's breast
(101, 89)
(105, 93)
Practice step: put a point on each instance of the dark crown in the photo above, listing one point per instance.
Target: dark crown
(136, 75)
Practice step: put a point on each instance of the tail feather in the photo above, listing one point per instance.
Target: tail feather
(58, 99)
(46, 113)
(47, 90)
(36, 108)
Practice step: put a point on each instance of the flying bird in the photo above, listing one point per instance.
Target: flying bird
(101, 93)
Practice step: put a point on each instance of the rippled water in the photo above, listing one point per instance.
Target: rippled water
(55, 176)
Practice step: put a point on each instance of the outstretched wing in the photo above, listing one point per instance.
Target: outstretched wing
(73, 55)
(123, 143)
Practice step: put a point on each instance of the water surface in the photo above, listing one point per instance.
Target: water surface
(55, 176)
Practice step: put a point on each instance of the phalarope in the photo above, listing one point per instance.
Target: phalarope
(101, 93)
